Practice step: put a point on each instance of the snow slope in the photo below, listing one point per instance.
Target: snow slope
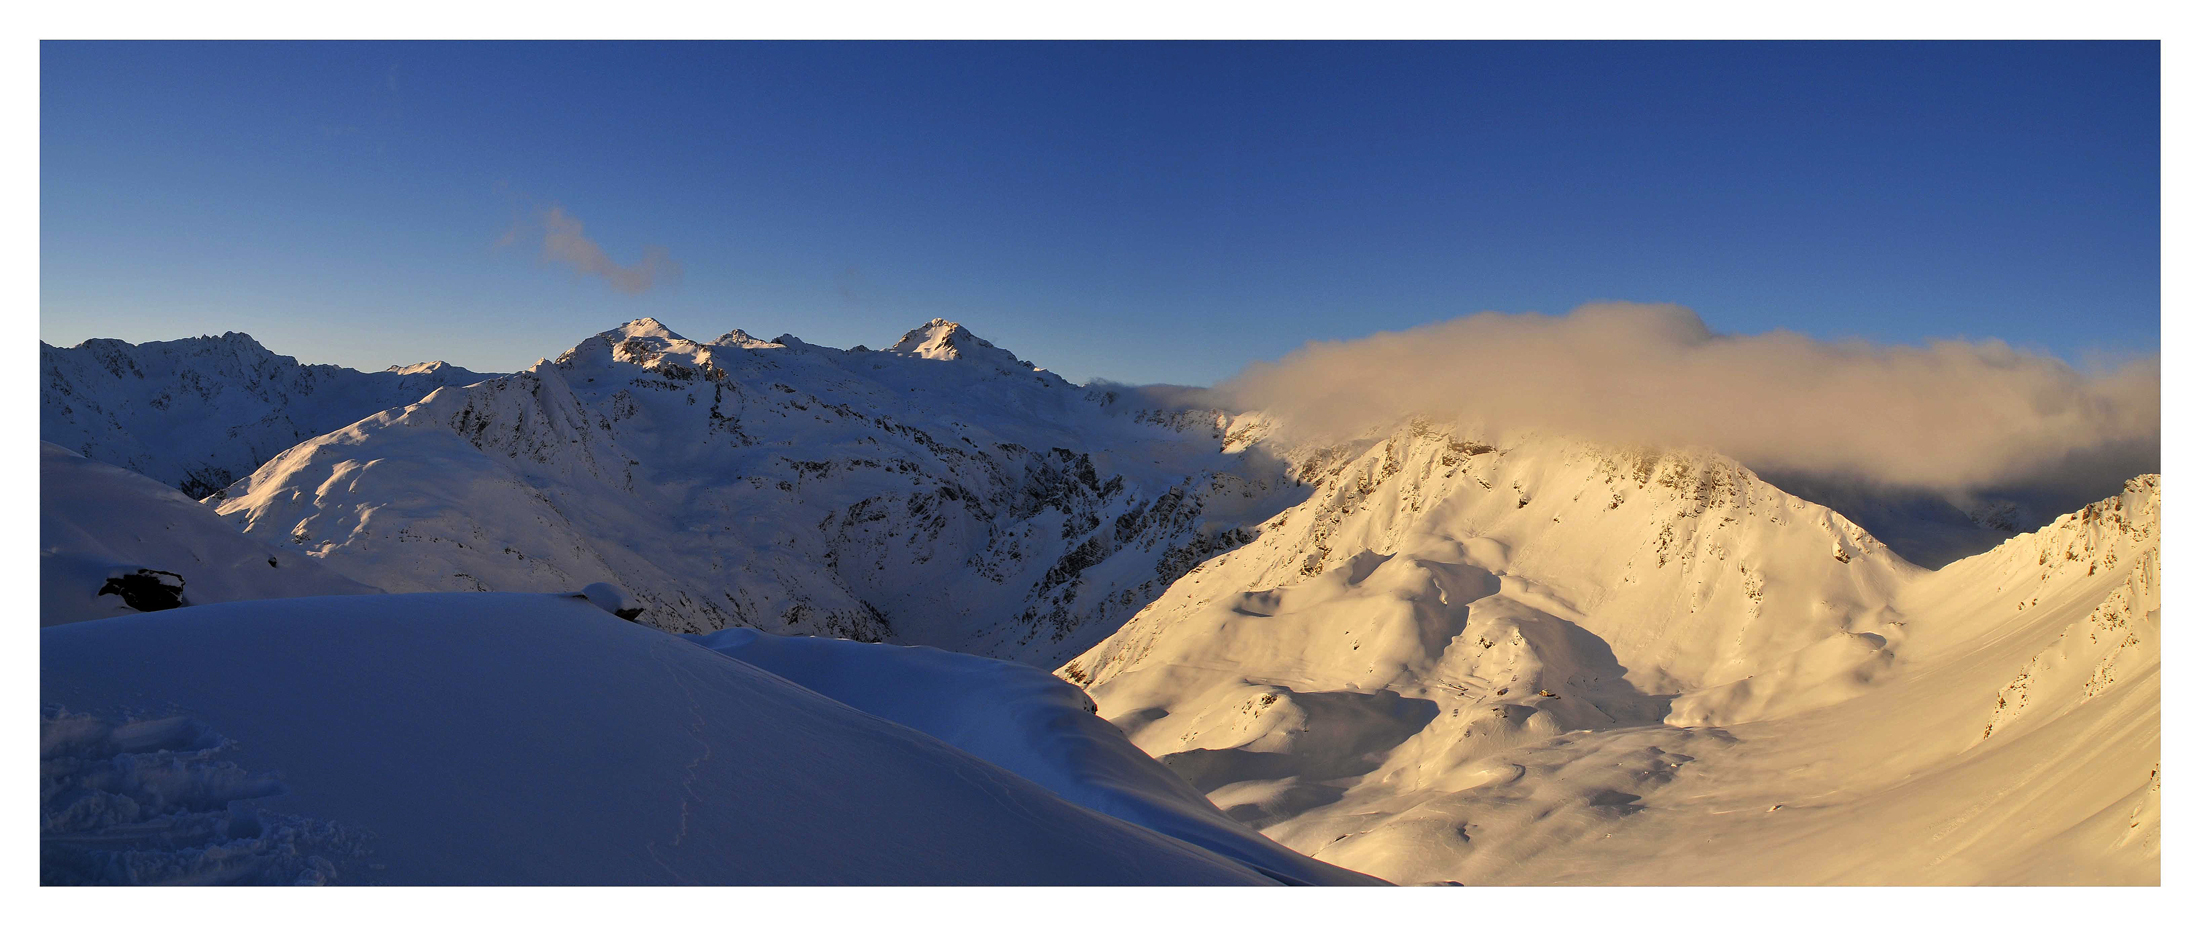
(1023, 720)
(1553, 662)
(940, 492)
(516, 739)
(108, 537)
(198, 413)
(1933, 529)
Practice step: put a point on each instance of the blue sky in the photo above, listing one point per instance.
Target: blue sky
(1139, 212)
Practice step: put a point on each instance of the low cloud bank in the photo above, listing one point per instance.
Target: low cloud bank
(1953, 416)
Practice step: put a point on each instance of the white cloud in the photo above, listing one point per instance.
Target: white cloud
(1950, 416)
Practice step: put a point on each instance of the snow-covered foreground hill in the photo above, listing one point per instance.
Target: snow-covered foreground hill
(938, 492)
(198, 413)
(534, 739)
(1553, 663)
(113, 542)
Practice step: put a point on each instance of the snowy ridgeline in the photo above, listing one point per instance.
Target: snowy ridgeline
(535, 739)
(939, 492)
(198, 413)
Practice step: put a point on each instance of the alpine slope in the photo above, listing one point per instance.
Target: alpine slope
(1546, 662)
(1432, 654)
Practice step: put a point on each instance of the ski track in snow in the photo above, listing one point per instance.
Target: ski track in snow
(693, 771)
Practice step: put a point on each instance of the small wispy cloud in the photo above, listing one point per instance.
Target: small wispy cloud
(565, 240)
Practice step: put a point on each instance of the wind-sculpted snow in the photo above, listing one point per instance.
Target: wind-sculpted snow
(1548, 661)
(154, 802)
(517, 739)
(113, 542)
(938, 493)
(198, 413)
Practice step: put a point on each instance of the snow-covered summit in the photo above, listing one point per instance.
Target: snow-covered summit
(644, 327)
(742, 339)
(413, 369)
(940, 339)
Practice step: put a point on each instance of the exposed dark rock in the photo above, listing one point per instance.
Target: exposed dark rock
(147, 590)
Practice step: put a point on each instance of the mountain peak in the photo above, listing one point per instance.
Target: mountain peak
(741, 339)
(406, 369)
(940, 339)
(643, 328)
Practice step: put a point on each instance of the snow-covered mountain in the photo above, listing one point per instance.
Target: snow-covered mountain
(113, 542)
(939, 492)
(198, 413)
(1432, 654)
(1547, 661)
